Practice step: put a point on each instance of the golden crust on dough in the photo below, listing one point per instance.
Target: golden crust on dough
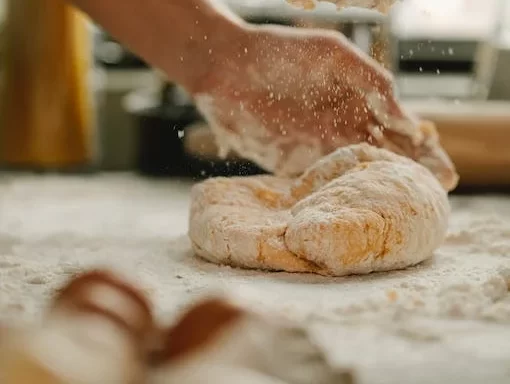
(358, 210)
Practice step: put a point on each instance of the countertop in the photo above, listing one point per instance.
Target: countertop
(445, 321)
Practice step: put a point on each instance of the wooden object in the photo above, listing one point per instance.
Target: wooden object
(476, 135)
(46, 107)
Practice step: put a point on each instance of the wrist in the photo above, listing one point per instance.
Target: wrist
(213, 36)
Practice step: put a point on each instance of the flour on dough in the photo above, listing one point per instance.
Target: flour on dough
(358, 210)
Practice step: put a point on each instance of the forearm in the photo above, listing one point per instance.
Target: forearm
(181, 37)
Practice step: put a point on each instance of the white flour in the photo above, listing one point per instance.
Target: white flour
(443, 322)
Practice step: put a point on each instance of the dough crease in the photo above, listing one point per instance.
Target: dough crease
(358, 210)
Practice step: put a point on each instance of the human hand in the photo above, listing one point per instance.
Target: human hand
(284, 97)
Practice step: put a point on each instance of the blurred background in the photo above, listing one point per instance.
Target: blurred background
(75, 100)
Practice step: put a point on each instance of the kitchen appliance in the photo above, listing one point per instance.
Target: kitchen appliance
(500, 89)
(444, 49)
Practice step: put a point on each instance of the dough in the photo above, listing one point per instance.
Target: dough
(358, 210)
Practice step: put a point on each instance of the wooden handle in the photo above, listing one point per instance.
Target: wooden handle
(480, 149)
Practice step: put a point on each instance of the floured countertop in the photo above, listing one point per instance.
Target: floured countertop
(446, 321)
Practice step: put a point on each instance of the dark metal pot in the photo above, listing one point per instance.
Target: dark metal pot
(162, 121)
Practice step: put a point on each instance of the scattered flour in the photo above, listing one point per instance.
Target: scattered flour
(445, 321)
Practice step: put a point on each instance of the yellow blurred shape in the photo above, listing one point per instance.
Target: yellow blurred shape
(47, 108)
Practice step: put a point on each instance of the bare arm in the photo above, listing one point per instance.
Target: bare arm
(281, 97)
(181, 37)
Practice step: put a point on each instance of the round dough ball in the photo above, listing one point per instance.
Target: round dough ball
(358, 210)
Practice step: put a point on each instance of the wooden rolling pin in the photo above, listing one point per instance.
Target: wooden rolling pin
(476, 135)
(46, 104)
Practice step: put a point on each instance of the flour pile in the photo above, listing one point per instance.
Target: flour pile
(445, 321)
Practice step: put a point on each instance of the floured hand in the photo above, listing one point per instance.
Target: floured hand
(284, 97)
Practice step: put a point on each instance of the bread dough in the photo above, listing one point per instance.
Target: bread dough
(358, 210)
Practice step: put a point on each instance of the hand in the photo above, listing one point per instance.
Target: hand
(284, 97)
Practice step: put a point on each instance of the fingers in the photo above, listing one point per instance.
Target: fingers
(405, 134)
(358, 68)
(392, 117)
(366, 75)
(428, 152)
(439, 163)
(435, 158)
(375, 84)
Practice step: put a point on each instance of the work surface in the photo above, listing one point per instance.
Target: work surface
(446, 321)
